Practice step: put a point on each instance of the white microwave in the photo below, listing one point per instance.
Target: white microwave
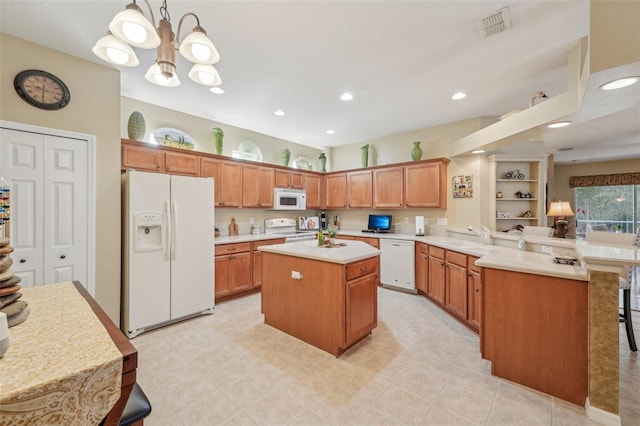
(289, 199)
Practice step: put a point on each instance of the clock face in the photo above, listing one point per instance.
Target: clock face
(42, 89)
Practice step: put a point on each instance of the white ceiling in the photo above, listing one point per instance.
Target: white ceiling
(402, 60)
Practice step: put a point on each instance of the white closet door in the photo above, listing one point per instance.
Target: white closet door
(21, 163)
(49, 202)
(65, 205)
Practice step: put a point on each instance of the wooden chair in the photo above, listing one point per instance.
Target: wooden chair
(620, 239)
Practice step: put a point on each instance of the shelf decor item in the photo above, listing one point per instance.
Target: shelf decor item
(323, 162)
(284, 156)
(136, 126)
(166, 136)
(416, 152)
(364, 155)
(217, 139)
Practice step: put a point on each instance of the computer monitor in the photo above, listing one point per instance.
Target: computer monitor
(379, 223)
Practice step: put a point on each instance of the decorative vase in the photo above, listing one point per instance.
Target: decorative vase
(416, 152)
(285, 155)
(323, 162)
(364, 155)
(136, 126)
(217, 139)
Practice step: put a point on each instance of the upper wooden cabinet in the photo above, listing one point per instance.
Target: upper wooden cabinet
(387, 188)
(152, 159)
(425, 185)
(257, 186)
(336, 191)
(228, 180)
(288, 179)
(360, 189)
(312, 185)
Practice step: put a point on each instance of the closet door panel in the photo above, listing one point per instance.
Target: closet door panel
(21, 161)
(65, 201)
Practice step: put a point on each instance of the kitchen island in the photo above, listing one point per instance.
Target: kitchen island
(325, 296)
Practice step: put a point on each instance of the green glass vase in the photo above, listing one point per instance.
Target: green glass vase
(416, 152)
(364, 155)
(217, 139)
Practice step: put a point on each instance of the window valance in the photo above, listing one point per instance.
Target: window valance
(605, 180)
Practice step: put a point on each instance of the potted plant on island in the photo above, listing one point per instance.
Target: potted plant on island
(331, 231)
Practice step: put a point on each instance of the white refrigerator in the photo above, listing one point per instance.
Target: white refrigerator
(168, 249)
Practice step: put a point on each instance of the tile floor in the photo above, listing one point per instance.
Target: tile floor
(419, 367)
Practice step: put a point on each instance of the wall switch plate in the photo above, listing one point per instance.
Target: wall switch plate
(252, 221)
(547, 249)
(442, 221)
(405, 220)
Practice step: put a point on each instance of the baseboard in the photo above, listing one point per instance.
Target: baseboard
(599, 415)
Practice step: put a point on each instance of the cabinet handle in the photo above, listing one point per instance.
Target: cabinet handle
(231, 249)
(363, 268)
(62, 256)
(23, 260)
(168, 168)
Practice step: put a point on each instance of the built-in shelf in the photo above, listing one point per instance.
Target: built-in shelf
(534, 169)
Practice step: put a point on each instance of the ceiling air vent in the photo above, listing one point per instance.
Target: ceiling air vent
(495, 23)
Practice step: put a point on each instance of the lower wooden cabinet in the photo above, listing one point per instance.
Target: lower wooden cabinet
(422, 267)
(233, 269)
(437, 274)
(361, 306)
(455, 298)
(239, 268)
(474, 293)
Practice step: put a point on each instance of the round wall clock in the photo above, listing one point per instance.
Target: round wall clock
(42, 89)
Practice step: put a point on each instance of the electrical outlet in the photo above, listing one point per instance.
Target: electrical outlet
(296, 275)
(252, 221)
(405, 220)
(547, 249)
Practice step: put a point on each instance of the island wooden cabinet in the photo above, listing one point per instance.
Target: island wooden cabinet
(232, 269)
(422, 267)
(474, 293)
(152, 159)
(257, 186)
(336, 191)
(360, 189)
(387, 188)
(313, 188)
(456, 284)
(361, 299)
(425, 185)
(227, 176)
(437, 276)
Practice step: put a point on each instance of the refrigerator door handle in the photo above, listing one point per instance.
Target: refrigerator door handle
(174, 245)
(168, 231)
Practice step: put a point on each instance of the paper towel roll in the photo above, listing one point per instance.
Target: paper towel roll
(420, 225)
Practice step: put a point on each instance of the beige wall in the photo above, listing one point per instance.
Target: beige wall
(94, 109)
(614, 32)
(200, 130)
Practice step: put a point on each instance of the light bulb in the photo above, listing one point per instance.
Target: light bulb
(117, 56)
(206, 78)
(134, 32)
(200, 51)
(161, 79)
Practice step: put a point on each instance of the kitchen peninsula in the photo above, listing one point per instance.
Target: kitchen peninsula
(325, 296)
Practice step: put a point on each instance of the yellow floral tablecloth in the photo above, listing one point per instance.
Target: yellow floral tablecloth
(62, 367)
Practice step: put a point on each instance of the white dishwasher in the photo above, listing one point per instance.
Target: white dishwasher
(397, 264)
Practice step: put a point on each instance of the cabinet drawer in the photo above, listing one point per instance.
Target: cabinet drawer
(256, 244)
(436, 252)
(363, 267)
(232, 248)
(457, 258)
(422, 248)
(471, 266)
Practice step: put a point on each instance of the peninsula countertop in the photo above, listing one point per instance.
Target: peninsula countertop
(351, 251)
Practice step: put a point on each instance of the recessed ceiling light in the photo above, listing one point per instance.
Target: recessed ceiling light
(217, 90)
(478, 151)
(331, 132)
(620, 83)
(559, 124)
(458, 96)
(280, 113)
(346, 96)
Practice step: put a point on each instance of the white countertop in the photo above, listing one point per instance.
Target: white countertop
(599, 256)
(246, 238)
(352, 251)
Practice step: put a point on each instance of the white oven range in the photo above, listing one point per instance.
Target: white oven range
(289, 229)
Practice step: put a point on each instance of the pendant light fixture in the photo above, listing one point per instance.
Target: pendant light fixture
(131, 28)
